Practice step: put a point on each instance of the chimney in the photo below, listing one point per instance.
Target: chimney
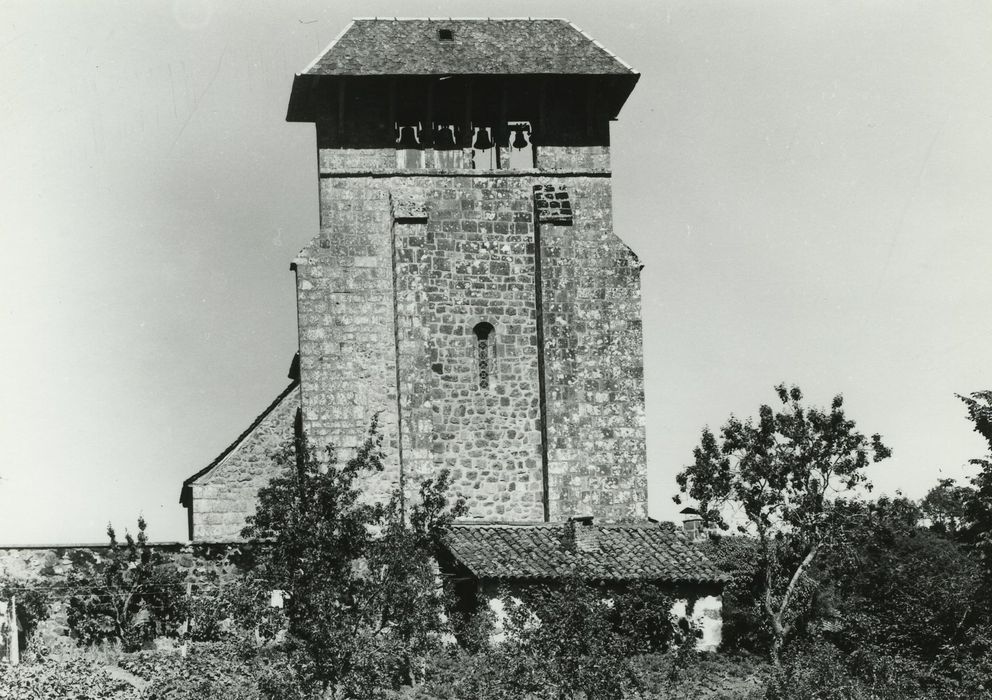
(692, 524)
(581, 535)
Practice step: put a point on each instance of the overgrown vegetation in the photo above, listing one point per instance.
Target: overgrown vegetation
(127, 599)
(779, 472)
(32, 603)
(896, 607)
(363, 607)
(577, 637)
(876, 599)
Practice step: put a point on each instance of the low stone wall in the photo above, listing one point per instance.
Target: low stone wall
(203, 565)
(198, 562)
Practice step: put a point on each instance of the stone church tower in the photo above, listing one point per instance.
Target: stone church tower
(466, 284)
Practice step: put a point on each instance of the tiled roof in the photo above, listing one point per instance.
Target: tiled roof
(624, 552)
(477, 47)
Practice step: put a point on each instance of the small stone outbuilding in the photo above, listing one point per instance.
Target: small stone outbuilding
(484, 559)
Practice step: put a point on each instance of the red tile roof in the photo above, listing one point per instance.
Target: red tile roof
(625, 552)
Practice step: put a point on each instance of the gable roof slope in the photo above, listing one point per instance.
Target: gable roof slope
(477, 47)
(286, 394)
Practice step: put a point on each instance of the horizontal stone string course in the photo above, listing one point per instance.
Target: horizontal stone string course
(463, 173)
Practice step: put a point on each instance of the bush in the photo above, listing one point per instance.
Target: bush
(818, 670)
(571, 638)
(128, 599)
(815, 672)
(363, 608)
(77, 678)
(745, 627)
(33, 603)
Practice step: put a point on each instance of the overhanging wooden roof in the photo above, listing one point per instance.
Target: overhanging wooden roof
(389, 47)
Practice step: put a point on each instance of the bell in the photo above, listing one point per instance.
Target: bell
(482, 140)
(408, 137)
(444, 137)
(518, 138)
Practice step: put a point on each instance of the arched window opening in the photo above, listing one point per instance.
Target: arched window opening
(484, 152)
(409, 146)
(517, 153)
(484, 343)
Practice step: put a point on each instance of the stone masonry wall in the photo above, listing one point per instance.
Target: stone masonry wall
(228, 493)
(344, 286)
(206, 567)
(470, 262)
(375, 280)
(594, 362)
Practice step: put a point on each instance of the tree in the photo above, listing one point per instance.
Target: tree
(979, 404)
(899, 587)
(781, 472)
(977, 530)
(362, 599)
(946, 505)
(902, 604)
(127, 599)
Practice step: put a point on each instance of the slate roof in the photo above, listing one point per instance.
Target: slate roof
(479, 47)
(626, 552)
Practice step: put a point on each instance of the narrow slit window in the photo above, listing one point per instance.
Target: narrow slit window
(484, 346)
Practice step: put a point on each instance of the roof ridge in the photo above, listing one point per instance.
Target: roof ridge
(459, 19)
(489, 46)
(506, 525)
(329, 46)
(610, 53)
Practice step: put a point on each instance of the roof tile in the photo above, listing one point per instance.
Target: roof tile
(624, 551)
(478, 47)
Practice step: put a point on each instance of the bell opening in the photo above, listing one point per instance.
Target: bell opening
(408, 136)
(518, 153)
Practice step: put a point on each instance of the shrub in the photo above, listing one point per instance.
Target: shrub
(363, 608)
(571, 638)
(33, 603)
(77, 678)
(126, 600)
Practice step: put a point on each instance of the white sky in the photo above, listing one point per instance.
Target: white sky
(807, 183)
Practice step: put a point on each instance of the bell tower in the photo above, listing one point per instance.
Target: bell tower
(466, 285)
